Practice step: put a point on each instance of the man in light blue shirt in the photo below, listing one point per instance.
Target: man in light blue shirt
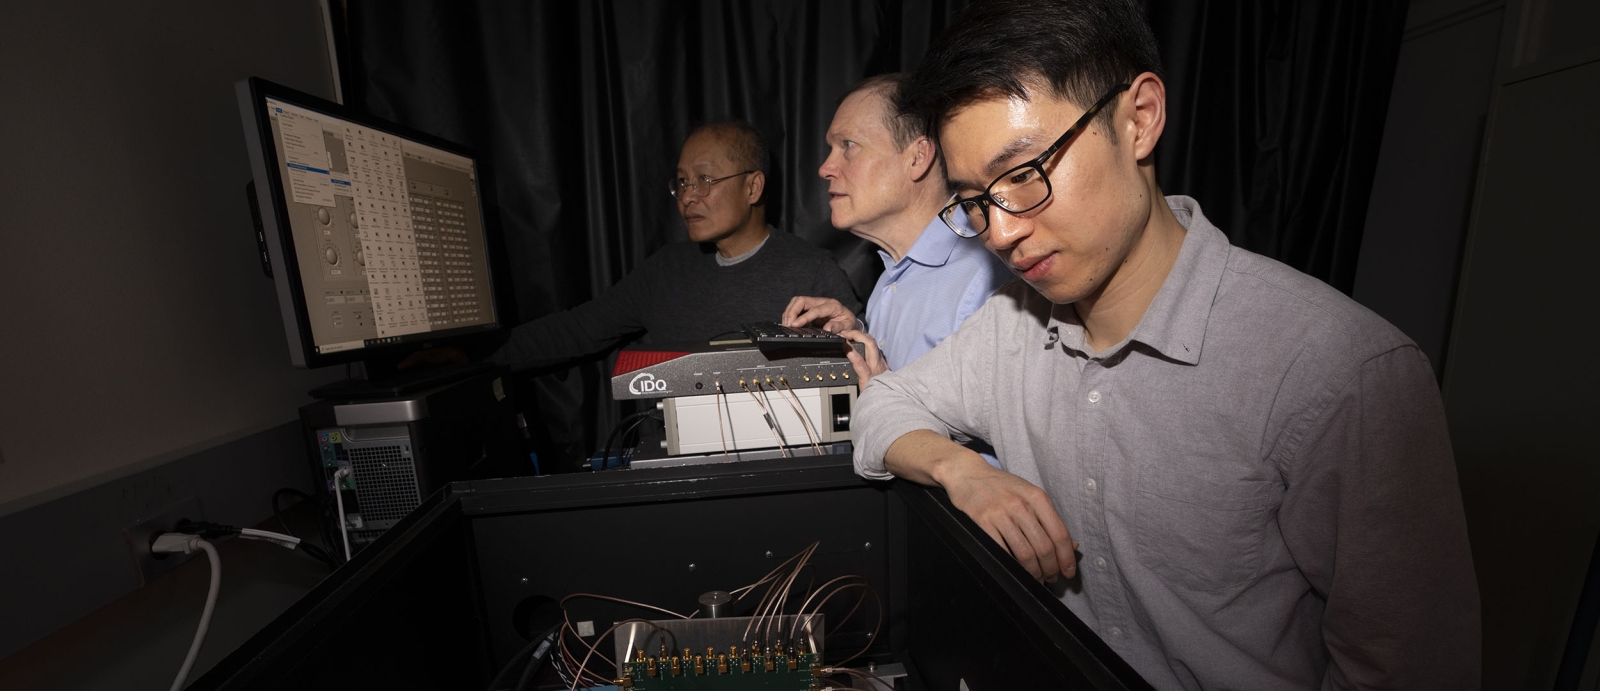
(926, 294)
(886, 185)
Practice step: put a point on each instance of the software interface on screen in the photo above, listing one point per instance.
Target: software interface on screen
(388, 231)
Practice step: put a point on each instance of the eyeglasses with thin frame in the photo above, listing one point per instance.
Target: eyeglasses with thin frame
(1021, 189)
(701, 185)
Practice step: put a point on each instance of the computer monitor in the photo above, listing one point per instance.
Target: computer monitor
(375, 234)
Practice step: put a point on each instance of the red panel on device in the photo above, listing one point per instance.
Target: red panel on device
(630, 360)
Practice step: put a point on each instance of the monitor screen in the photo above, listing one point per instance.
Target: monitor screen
(376, 234)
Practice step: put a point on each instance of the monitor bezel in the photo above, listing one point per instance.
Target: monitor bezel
(266, 170)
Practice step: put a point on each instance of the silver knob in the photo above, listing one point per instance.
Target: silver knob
(715, 604)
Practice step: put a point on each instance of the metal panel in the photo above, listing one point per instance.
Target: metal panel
(978, 620)
(647, 458)
(381, 412)
(396, 615)
(738, 421)
(386, 480)
(1519, 407)
(664, 536)
(704, 367)
(1426, 170)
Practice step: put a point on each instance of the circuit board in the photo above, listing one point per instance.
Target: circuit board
(731, 671)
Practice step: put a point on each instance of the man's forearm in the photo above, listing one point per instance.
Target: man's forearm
(929, 458)
(555, 338)
(1016, 514)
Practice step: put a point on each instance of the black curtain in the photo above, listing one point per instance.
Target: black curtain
(1275, 112)
(579, 108)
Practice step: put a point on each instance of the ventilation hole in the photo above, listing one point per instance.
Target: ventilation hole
(386, 482)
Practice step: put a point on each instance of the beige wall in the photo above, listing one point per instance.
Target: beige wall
(137, 326)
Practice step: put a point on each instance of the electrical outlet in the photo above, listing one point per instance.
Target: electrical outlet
(140, 534)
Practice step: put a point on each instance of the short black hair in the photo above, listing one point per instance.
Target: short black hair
(1079, 48)
(746, 146)
(902, 127)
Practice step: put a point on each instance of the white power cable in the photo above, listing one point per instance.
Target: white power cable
(279, 539)
(338, 497)
(169, 543)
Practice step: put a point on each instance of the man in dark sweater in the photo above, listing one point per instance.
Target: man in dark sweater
(733, 270)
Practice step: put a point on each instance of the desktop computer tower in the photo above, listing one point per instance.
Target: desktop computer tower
(398, 450)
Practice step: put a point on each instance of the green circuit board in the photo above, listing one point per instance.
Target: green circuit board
(722, 672)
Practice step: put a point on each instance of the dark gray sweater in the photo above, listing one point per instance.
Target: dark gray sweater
(681, 295)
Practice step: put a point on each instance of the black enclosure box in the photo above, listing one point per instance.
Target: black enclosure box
(443, 599)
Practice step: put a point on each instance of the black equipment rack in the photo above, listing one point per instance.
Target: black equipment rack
(442, 599)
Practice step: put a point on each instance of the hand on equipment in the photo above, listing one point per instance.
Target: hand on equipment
(807, 311)
(1014, 512)
(870, 362)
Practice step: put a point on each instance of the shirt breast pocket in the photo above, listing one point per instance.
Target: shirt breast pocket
(1198, 533)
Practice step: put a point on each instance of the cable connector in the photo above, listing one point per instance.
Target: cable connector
(175, 543)
(206, 529)
(338, 496)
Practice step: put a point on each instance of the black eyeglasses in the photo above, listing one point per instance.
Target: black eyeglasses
(1020, 189)
(701, 185)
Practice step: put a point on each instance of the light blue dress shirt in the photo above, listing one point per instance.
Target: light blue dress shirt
(925, 297)
(928, 293)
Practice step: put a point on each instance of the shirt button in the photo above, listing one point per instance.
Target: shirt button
(1094, 396)
(1100, 563)
(1089, 484)
(1116, 632)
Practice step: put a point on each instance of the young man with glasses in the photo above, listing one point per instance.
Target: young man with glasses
(1254, 471)
(885, 184)
(735, 269)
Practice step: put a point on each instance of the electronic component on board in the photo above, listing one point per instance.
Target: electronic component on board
(780, 647)
(779, 670)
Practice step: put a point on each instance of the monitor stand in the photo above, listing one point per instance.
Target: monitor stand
(364, 382)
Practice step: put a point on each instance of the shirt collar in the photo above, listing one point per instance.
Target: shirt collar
(1175, 322)
(730, 261)
(932, 248)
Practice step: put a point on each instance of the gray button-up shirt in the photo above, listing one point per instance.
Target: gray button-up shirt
(1259, 475)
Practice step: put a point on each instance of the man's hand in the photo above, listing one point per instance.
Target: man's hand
(805, 311)
(1014, 512)
(448, 355)
(870, 362)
